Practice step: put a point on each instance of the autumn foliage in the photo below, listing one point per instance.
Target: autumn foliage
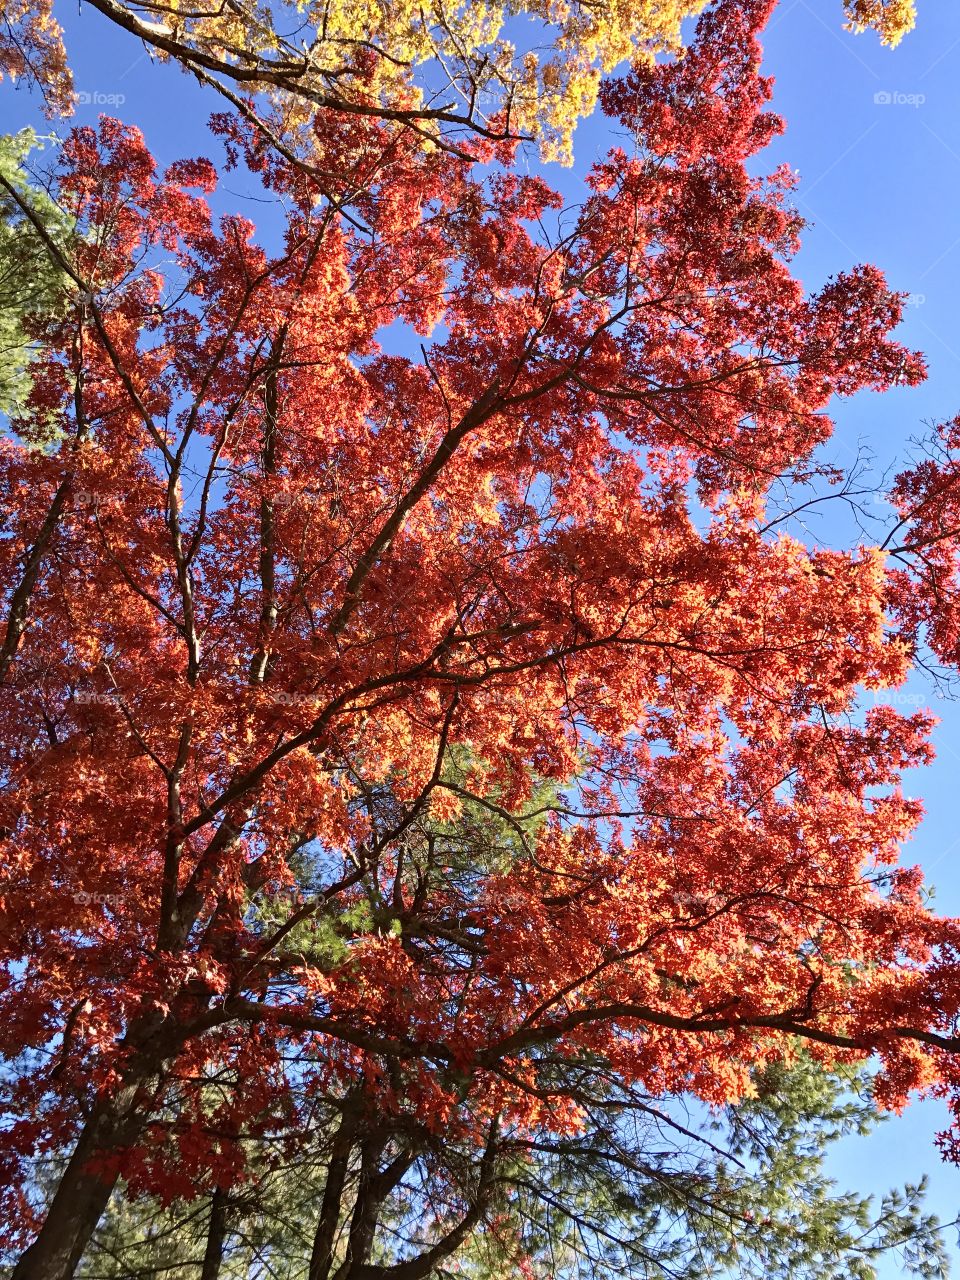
(440, 69)
(452, 507)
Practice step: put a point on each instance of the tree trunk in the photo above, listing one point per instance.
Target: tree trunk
(216, 1234)
(116, 1122)
(321, 1259)
(82, 1196)
(363, 1223)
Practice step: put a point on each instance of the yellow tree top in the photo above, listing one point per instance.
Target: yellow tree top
(501, 67)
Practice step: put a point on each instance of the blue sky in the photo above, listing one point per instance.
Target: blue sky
(875, 135)
(881, 183)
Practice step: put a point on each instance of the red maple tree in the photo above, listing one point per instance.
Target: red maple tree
(286, 598)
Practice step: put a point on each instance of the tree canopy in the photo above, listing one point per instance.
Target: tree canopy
(421, 733)
(495, 69)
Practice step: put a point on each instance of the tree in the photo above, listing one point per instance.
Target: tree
(646, 1189)
(29, 281)
(31, 49)
(318, 593)
(439, 69)
(642, 1193)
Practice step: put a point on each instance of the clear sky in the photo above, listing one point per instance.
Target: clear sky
(875, 136)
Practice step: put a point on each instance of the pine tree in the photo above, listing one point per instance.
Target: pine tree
(31, 285)
(646, 1193)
